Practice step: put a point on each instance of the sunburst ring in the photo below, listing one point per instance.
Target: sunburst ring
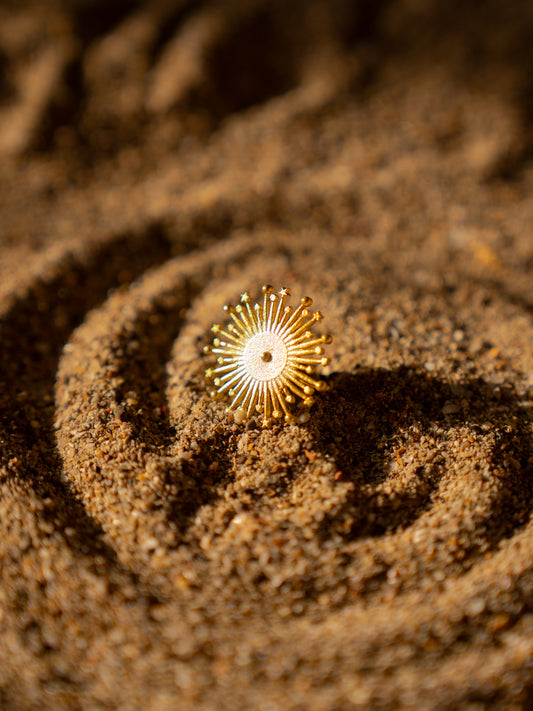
(266, 356)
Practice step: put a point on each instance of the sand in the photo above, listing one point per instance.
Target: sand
(158, 159)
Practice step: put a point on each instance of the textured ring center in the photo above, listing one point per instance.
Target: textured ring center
(265, 356)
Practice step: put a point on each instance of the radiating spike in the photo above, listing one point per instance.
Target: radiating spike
(267, 290)
(283, 294)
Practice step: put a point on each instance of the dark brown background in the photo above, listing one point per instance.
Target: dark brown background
(159, 158)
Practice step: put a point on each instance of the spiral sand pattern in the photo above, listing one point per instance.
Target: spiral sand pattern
(158, 162)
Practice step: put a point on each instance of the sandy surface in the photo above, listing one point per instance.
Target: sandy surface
(157, 159)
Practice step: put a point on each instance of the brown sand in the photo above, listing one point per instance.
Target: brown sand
(158, 158)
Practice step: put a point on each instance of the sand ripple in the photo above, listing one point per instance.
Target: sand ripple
(157, 555)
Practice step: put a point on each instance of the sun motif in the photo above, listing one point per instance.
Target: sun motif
(266, 356)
